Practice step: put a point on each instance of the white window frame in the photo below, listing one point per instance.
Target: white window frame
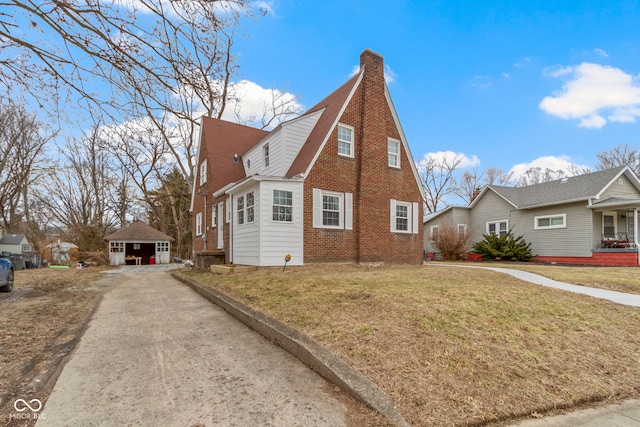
(275, 216)
(393, 157)
(349, 143)
(162, 246)
(265, 155)
(199, 224)
(537, 226)
(116, 246)
(434, 233)
(214, 214)
(345, 209)
(203, 172)
(462, 230)
(240, 209)
(497, 224)
(413, 212)
(250, 208)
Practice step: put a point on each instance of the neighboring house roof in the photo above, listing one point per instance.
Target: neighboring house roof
(575, 188)
(62, 245)
(139, 232)
(12, 239)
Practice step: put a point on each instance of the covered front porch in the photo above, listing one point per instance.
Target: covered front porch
(616, 231)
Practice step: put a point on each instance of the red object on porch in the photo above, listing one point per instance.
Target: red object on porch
(152, 260)
(615, 259)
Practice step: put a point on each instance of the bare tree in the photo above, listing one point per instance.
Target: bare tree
(437, 176)
(22, 143)
(620, 155)
(77, 193)
(537, 175)
(474, 180)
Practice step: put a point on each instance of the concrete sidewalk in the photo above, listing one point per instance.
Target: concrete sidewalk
(158, 354)
(626, 414)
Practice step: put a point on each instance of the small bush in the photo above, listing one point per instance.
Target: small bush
(503, 248)
(451, 243)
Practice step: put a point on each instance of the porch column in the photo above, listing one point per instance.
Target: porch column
(635, 232)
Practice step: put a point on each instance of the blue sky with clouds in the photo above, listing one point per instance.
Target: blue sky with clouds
(505, 83)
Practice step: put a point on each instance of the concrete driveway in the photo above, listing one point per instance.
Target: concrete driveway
(158, 354)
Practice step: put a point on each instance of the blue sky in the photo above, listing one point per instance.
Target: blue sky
(539, 83)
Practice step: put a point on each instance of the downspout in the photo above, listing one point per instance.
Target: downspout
(204, 223)
(231, 229)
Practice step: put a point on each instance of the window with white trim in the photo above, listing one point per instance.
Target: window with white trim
(214, 215)
(404, 217)
(265, 155)
(393, 152)
(332, 209)
(345, 140)
(434, 233)
(198, 223)
(250, 207)
(203, 172)
(116, 246)
(282, 206)
(162, 246)
(498, 227)
(550, 221)
(240, 210)
(462, 231)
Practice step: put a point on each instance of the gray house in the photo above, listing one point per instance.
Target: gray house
(586, 219)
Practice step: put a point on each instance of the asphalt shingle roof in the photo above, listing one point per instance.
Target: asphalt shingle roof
(140, 232)
(579, 187)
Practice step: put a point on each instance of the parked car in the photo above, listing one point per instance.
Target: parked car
(6, 272)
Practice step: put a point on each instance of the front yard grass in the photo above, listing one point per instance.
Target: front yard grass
(454, 346)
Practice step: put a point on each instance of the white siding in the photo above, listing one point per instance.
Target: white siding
(266, 242)
(246, 237)
(295, 135)
(278, 239)
(284, 145)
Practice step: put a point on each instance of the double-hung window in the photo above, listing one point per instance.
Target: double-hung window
(550, 221)
(198, 223)
(498, 227)
(345, 140)
(393, 152)
(265, 155)
(404, 217)
(282, 206)
(203, 172)
(213, 215)
(434, 233)
(332, 209)
(250, 207)
(240, 204)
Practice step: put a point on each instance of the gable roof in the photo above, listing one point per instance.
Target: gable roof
(571, 189)
(223, 141)
(139, 232)
(333, 106)
(12, 239)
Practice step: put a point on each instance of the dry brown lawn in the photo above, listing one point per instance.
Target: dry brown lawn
(454, 346)
(42, 319)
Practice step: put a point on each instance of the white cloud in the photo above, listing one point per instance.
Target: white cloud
(253, 101)
(592, 92)
(481, 82)
(522, 63)
(450, 157)
(601, 52)
(553, 163)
